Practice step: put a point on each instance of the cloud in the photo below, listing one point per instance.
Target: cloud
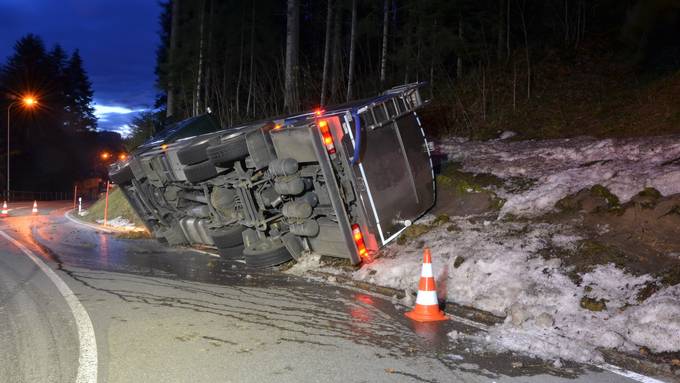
(118, 46)
(103, 111)
(123, 130)
(115, 118)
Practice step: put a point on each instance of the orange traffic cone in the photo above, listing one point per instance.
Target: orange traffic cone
(5, 211)
(427, 305)
(35, 207)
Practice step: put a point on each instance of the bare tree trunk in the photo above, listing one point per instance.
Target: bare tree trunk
(501, 29)
(528, 57)
(327, 52)
(483, 70)
(292, 50)
(174, 25)
(434, 56)
(208, 66)
(199, 72)
(251, 70)
(383, 56)
(352, 50)
(335, 59)
(459, 54)
(514, 86)
(507, 31)
(566, 21)
(240, 74)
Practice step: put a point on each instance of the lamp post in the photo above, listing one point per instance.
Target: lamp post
(29, 102)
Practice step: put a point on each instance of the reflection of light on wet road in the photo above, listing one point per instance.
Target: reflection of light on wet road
(431, 333)
(365, 299)
(104, 249)
(362, 313)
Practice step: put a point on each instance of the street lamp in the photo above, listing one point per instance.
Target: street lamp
(27, 101)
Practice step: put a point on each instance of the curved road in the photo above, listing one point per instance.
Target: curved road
(177, 315)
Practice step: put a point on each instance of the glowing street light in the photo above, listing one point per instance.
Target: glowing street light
(27, 101)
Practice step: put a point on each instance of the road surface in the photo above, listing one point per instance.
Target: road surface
(176, 315)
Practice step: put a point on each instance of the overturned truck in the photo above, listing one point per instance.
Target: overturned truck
(341, 182)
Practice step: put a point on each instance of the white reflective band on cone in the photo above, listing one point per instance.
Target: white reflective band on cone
(427, 298)
(427, 270)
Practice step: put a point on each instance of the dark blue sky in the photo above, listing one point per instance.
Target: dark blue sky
(117, 40)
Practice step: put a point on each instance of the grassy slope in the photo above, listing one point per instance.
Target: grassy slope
(587, 91)
(118, 207)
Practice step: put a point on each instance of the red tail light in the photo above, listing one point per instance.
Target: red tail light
(359, 242)
(327, 137)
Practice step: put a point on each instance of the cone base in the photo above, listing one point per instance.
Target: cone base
(426, 314)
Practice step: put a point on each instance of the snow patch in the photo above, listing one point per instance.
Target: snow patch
(118, 222)
(563, 167)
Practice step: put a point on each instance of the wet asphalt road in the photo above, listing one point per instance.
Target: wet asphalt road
(177, 315)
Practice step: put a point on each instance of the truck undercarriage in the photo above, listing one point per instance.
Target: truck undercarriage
(341, 182)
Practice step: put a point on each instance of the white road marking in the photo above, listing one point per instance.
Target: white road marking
(628, 374)
(87, 360)
(91, 226)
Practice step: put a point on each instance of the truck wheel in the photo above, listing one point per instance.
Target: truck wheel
(193, 153)
(200, 172)
(266, 253)
(228, 151)
(227, 237)
(232, 253)
(121, 176)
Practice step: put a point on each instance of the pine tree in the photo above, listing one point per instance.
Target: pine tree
(79, 111)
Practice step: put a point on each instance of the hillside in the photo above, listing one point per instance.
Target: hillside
(592, 90)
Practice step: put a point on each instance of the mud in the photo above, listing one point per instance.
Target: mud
(462, 194)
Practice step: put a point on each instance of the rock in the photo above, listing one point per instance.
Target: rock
(647, 291)
(597, 198)
(413, 232)
(545, 320)
(507, 134)
(441, 219)
(647, 198)
(593, 304)
(519, 314)
(458, 261)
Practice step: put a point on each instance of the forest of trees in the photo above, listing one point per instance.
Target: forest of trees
(54, 143)
(485, 60)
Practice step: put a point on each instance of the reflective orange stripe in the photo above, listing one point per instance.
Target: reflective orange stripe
(426, 284)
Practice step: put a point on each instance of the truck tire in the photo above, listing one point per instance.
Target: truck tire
(227, 237)
(266, 253)
(228, 151)
(231, 253)
(193, 153)
(121, 176)
(200, 172)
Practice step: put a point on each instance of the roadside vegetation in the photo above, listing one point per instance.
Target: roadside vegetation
(118, 207)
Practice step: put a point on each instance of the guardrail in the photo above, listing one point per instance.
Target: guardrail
(20, 195)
